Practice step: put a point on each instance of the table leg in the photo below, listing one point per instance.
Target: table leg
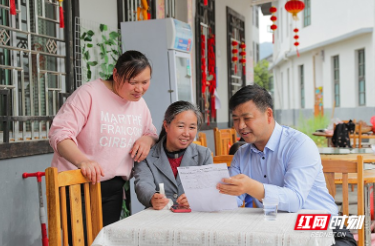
(367, 224)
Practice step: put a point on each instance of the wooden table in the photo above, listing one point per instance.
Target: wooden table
(369, 180)
(354, 137)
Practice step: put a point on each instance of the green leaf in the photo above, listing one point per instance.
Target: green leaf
(86, 55)
(114, 35)
(102, 49)
(114, 58)
(89, 74)
(102, 75)
(104, 38)
(101, 55)
(110, 68)
(114, 51)
(90, 33)
(103, 67)
(106, 58)
(109, 42)
(89, 45)
(92, 63)
(88, 39)
(83, 35)
(103, 27)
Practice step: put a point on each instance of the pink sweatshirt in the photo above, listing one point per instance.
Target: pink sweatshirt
(104, 127)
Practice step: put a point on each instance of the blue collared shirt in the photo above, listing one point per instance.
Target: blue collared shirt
(290, 169)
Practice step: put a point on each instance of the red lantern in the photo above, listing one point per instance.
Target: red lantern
(296, 37)
(243, 59)
(294, 7)
(234, 52)
(61, 12)
(12, 7)
(273, 18)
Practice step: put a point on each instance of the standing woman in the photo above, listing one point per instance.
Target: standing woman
(173, 149)
(103, 127)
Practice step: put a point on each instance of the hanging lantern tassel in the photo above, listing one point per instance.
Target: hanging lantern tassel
(296, 37)
(234, 55)
(61, 14)
(273, 18)
(203, 63)
(243, 59)
(12, 6)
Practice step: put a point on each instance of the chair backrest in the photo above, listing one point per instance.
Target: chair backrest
(56, 184)
(223, 159)
(224, 138)
(201, 140)
(332, 170)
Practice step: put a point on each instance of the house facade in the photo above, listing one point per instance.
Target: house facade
(334, 72)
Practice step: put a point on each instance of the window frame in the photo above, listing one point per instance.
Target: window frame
(28, 147)
(302, 85)
(236, 25)
(336, 79)
(205, 17)
(307, 14)
(361, 78)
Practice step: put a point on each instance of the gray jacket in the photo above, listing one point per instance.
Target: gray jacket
(156, 169)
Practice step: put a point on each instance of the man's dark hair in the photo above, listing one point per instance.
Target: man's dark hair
(260, 97)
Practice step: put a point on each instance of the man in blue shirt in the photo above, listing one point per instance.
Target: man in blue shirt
(278, 162)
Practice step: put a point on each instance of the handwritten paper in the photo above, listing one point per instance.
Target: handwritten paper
(200, 182)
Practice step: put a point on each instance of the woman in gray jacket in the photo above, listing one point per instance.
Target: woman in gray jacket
(174, 148)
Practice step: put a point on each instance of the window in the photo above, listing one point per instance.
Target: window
(336, 80)
(302, 85)
(256, 16)
(257, 51)
(235, 39)
(307, 13)
(35, 73)
(128, 10)
(361, 77)
(205, 34)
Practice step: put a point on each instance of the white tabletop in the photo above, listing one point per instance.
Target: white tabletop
(243, 226)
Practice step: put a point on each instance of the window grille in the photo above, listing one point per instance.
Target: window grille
(361, 77)
(32, 69)
(336, 80)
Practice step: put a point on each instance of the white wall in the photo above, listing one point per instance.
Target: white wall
(329, 19)
(104, 12)
(243, 8)
(346, 51)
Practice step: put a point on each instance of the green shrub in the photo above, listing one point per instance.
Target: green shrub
(310, 125)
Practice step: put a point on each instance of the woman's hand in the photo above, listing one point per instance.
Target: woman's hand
(159, 201)
(91, 170)
(141, 148)
(183, 201)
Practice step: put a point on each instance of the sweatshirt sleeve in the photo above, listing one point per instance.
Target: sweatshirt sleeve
(70, 119)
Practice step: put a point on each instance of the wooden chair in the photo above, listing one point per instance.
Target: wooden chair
(56, 184)
(339, 169)
(202, 139)
(223, 159)
(224, 138)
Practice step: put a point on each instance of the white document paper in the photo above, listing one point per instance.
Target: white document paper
(200, 182)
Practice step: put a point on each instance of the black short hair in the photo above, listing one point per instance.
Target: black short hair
(260, 96)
